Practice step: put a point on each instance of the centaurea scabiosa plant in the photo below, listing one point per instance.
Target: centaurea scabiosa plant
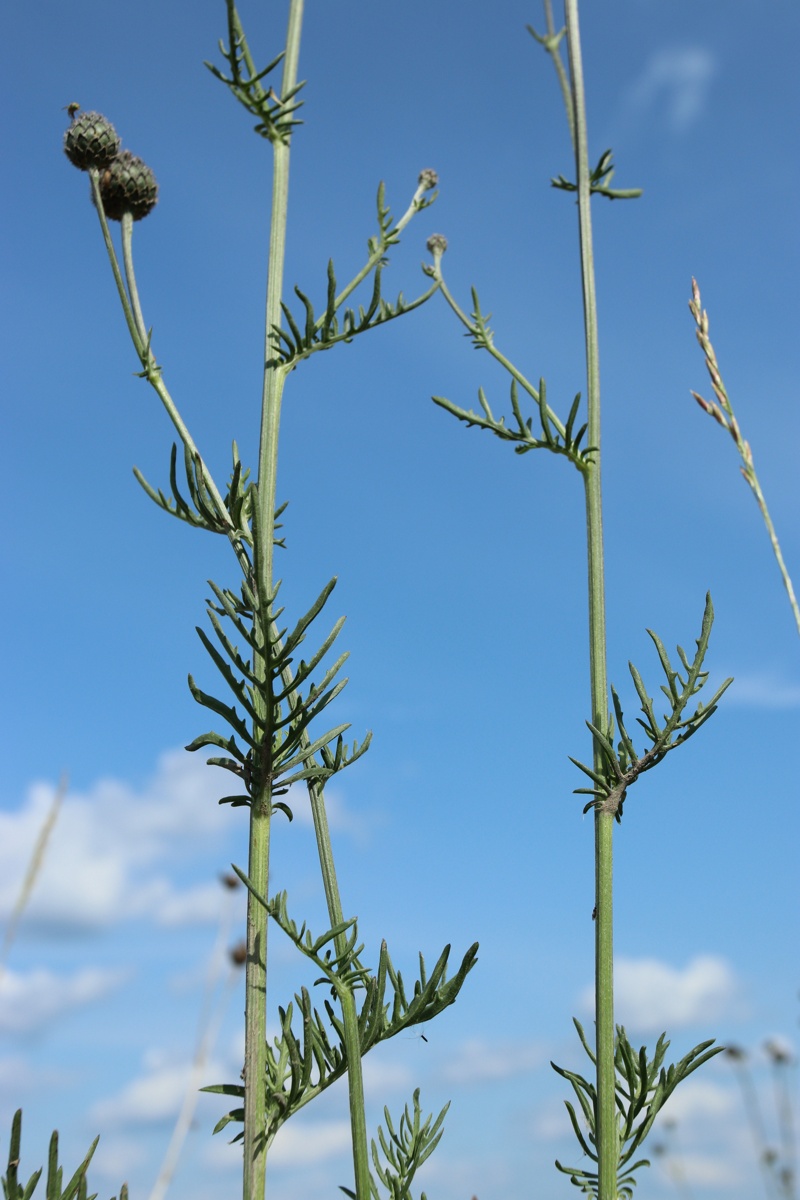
(266, 732)
(618, 1103)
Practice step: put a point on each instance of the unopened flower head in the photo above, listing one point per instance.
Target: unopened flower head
(437, 244)
(128, 185)
(90, 141)
(428, 178)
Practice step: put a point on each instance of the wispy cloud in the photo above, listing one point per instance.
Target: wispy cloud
(341, 819)
(381, 1077)
(652, 995)
(113, 849)
(301, 1142)
(117, 850)
(31, 1000)
(481, 1062)
(306, 1142)
(698, 1099)
(708, 1171)
(153, 1097)
(116, 1156)
(674, 84)
(763, 690)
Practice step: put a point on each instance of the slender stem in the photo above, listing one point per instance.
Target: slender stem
(607, 1132)
(724, 415)
(756, 1123)
(94, 178)
(152, 372)
(492, 349)
(352, 1040)
(255, 1015)
(126, 225)
(351, 1035)
(752, 479)
(552, 44)
(378, 253)
(255, 1104)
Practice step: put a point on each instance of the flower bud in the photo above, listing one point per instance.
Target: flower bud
(128, 185)
(437, 244)
(428, 179)
(90, 141)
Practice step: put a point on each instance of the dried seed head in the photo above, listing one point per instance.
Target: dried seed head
(128, 185)
(90, 141)
(778, 1052)
(238, 954)
(428, 179)
(437, 244)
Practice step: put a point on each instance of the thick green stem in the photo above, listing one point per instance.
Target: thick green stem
(607, 1133)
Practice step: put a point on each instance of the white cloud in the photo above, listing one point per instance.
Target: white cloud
(115, 848)
(651, 996)
(15, 1074)
(116, 1157)
(697, 1099)
(30, 1000)
(763, 690)
(677, 81)
(383, 1077)
(702, 1170)
(112, 848)
(301, 1143)
(481, 1062)
(155, 1096)
(340, 818)
(552, 1123)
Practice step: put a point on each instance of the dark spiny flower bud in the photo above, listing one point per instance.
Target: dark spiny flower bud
(428, 179)
(90, 141)
(128, 185)
(437, 244)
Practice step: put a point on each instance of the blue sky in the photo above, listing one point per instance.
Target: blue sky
(461, 569)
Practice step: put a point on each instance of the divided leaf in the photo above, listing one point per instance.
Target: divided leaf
(618, 768)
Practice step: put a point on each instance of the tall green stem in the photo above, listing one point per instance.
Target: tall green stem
(607, 1136)
(352, 1040)
(255, 1113)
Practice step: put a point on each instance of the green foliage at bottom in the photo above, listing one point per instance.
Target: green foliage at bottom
(404, 1151)
(643, 1087)
(76, 1189)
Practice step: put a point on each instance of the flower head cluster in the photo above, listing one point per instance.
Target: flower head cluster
(126, 183)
